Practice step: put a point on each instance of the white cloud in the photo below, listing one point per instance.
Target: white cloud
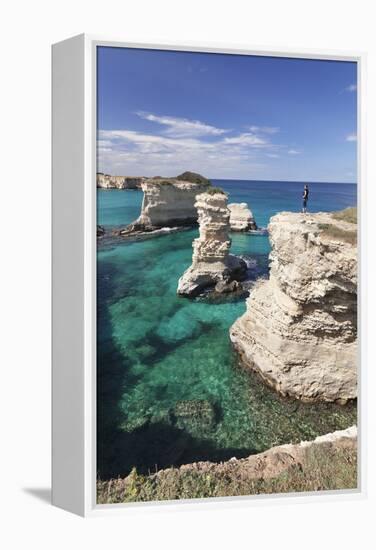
(183, 144)
(246, 139)
(293, 152)
(133, 153)
(264, 129)
(351, 88)
(351, 137)
(183, 126)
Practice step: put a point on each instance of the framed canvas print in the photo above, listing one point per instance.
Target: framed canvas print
(206, 274)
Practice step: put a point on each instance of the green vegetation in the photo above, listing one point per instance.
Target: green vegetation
(192, 177)
(325, 468)
(347, 215)
(335, 232)
(215, 190)
(339, 232)
(163, 182)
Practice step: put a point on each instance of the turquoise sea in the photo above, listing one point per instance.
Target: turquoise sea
(170, 389)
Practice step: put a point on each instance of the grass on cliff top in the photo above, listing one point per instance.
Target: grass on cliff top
(335, 232)
(215, 191)
(346, 215)
(193, 177)
(190, 177)
(325, 469)
(162, 181)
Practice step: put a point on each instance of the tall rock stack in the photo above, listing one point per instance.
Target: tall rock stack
(212, 264)
(299, 331)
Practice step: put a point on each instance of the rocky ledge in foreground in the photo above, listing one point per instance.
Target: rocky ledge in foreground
(168, 203)
(241, 217)
(212, 264)
(300, 331)
(327, 463)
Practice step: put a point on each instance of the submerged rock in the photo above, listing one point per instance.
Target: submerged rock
(241, 217)
(212, 264)
(181, 326)
(300, 331)
(194, 415)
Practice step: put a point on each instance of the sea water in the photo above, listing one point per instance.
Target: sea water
(170, 387)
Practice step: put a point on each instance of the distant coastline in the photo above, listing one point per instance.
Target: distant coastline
(115, 179)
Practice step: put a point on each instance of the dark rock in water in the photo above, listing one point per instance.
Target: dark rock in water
(194, 415)
(100, 231)
(227, 286)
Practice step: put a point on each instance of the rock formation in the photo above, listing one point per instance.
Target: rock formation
(276, 460)
(241, 218)
(299, 331)
(212, 265)
(105, 181)
(325, 463)
(168, 202)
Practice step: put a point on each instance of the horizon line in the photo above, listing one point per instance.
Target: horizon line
(310, 182)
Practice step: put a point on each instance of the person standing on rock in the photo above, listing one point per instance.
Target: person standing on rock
(305, 199)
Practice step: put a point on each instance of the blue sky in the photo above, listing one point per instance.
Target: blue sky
(226, 116)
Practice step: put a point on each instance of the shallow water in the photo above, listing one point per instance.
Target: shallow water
(170, 390)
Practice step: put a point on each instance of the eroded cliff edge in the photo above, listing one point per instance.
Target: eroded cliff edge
(300, 331)
(106, 181)
(327, 463)
(168, 203)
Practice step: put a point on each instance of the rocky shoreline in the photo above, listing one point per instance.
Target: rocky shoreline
(169, 204)
(328, 462)
(299, 332)
(300, 328)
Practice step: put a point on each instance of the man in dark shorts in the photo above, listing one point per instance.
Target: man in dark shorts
(305, 199)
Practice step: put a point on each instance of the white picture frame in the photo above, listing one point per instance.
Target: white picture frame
(74, 274)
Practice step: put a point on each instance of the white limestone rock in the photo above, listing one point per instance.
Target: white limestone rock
(241, 217)
(106, 181)
(169, 203)
(300, 328)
